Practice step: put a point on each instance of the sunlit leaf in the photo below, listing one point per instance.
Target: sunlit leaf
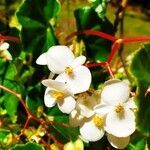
(28, 146)
(140, 68)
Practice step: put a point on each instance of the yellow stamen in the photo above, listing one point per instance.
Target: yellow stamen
(119, 108)
(58, 95)
(68, 70)
(98, 121)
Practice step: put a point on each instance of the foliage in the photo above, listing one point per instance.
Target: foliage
(25, 122)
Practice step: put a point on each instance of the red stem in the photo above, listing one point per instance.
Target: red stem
(110, 71)
(93, 32)
(10, 38)
(113, 51)
(90, 65)
(138, 39)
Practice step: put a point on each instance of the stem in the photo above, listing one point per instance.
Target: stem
(136, 39)
(10, 38)
(93, 32)
(18, 96)
(90, 65)
(113, 51)
(109, 69)
(54, 139)
(31, 117)
(47, 146)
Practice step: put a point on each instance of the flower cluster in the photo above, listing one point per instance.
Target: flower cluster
(110, 111)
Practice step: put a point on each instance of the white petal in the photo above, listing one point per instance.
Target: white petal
(76, 119)
(42, 59)
(59, 57)
(4, 46)
(118, 142)
(78, 82)
(120, 125)
(115, 92)
(85, 111)
(111, 81)
(59, 86)
(102, 109)
(67, 105)
(78, 61)
(86, 104)
(8, 55)
(48, 99)
(130, 104)
(90, 132)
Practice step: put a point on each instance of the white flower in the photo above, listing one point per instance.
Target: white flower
(91, 124)
(118, 142)
(86, 102)
(4, 52)
(60, 60)
(118, 108)
(93, 128)
(58, 92)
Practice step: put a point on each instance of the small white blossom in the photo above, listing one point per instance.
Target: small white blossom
(91, 124)
(60, 60)
(58, 92)
(86, 102)
(118, 108)
(4, 52)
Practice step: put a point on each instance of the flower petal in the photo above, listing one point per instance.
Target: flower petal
(102, 109)
(78, 61)
(78, 82)
(8, 55)
(42, 59)
(67, 105)
(120, 125)
(59, 86)
(86, 104)
(76, 119)
(115, 92)
(90, 132)
(4, 46)
(59, 57)
(118, 142)
(48, 99)
(130, 104)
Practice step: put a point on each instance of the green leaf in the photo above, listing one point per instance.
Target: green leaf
(140, 68)
(5, 137)
(11, 105)
(34, 100)
(137, 142)
(100, 7)
(27, 146)
(62, 132)
(9, 101)
(37, 19)
(3, 134)
(97, 48)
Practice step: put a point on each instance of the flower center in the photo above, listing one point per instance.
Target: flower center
(58, 95)
(119, 108)
(69, 70)
(98, 121)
